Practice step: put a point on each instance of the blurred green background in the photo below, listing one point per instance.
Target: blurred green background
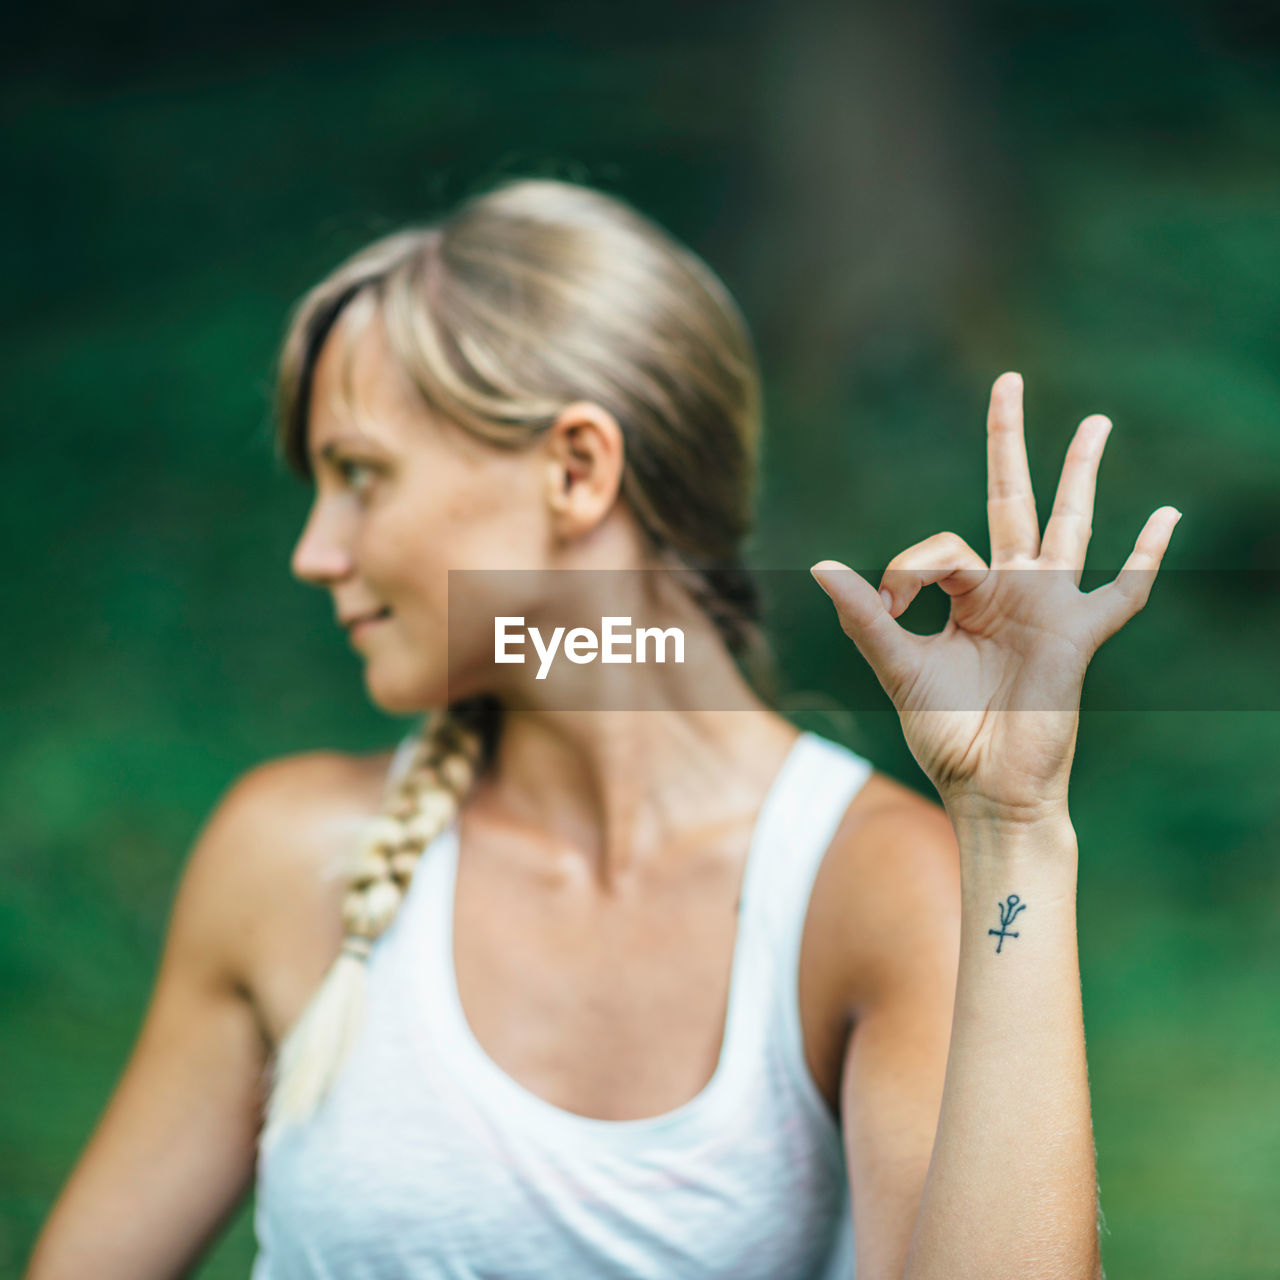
(907, 200)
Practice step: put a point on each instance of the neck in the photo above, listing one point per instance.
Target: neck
(615, 793)
(616, 766)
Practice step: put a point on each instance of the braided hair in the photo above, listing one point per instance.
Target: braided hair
(443, 763)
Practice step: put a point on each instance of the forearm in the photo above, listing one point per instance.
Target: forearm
(1012, 1182)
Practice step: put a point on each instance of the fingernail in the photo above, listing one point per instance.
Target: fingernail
(887, 596)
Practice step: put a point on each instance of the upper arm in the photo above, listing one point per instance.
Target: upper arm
(901, 1006)
(174, 1150)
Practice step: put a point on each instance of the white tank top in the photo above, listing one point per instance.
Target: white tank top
(428, 1161)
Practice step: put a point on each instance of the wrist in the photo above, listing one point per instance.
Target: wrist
(991, 835)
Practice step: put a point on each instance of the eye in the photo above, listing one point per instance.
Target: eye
(346, 468)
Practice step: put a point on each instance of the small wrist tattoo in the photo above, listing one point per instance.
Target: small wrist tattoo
(1008, 910)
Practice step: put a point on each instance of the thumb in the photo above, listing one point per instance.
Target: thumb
(865, 618)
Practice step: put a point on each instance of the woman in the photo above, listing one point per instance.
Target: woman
(601, 992)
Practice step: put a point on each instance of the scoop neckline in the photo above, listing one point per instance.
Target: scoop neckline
(456, 1039)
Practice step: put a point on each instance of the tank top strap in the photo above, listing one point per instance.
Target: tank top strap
(401, 758)
(825, 778)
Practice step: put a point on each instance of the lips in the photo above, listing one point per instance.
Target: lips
(349, 623)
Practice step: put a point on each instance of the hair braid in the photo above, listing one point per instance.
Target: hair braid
(418, 806)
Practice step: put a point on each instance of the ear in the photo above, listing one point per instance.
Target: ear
(584, 452)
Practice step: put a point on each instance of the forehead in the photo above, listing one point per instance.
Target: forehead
(359, 392)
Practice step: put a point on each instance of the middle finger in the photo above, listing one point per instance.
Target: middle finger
(1066, 536)
(1012, 522)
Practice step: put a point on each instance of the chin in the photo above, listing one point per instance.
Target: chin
(404, 697)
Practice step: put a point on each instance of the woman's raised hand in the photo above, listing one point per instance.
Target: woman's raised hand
(990, 705)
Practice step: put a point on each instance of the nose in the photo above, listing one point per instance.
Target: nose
(320, 555)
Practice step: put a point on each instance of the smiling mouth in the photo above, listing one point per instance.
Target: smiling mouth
(365, 621)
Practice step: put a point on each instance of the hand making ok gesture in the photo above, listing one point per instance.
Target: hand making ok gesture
(990, 705)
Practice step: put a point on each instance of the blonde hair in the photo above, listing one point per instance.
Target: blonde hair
(525, 298)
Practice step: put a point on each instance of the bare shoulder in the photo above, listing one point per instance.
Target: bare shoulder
(890, 878)
(262, 880)
(282, 815)
(174, 1150)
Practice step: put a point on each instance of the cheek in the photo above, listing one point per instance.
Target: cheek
(497, 522)
(500, 531)
(403, 557)
(460, 517)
